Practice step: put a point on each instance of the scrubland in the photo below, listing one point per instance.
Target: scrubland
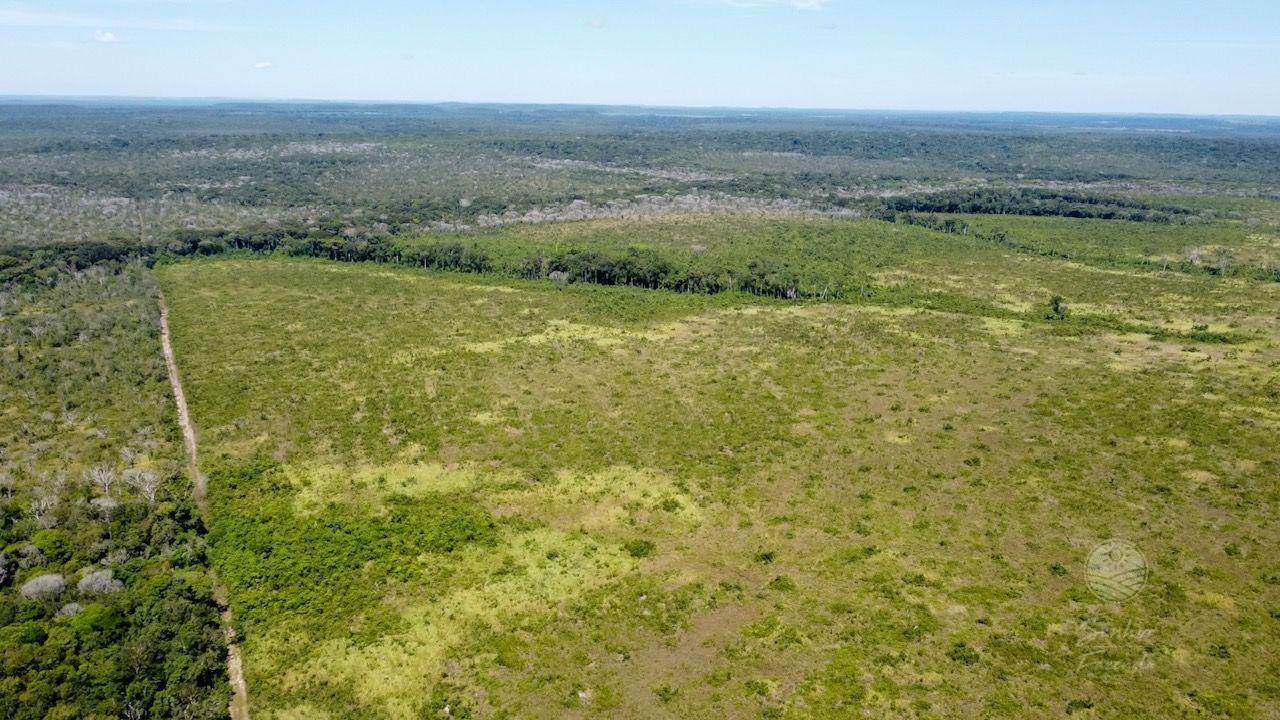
(456, 494)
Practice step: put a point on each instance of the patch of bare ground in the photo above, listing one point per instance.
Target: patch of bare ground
(691, 653)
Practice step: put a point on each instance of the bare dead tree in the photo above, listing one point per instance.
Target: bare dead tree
(145, 481)
(102, 476)
(99, 582)
(44, 500)
(43, 586)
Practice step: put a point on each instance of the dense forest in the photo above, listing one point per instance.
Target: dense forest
(106, 608)
(1036, 202)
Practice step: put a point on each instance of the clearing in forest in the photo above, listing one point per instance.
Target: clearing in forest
(450, 494)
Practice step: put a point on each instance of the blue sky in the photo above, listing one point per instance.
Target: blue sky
(1168, 56)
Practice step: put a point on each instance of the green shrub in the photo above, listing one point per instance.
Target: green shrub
(639, 548)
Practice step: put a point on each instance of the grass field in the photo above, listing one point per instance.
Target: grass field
(903, 266)
(447, 495)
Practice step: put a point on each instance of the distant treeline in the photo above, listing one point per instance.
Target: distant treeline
(636, 267)
(647, 268)
(1032, 201)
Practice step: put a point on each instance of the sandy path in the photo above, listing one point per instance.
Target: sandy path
(239, 692)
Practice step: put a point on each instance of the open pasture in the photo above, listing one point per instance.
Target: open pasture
(899, 265)
(448, 495)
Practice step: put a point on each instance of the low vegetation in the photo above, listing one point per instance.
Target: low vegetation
(443, 494)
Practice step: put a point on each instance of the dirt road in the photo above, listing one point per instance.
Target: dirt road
(239, 692)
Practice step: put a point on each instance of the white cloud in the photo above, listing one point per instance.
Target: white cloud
(105, 36)
(262, 65)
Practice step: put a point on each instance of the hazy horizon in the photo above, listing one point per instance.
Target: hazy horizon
(178, 100)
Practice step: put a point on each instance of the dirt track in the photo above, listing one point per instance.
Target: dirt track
(239, 692)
